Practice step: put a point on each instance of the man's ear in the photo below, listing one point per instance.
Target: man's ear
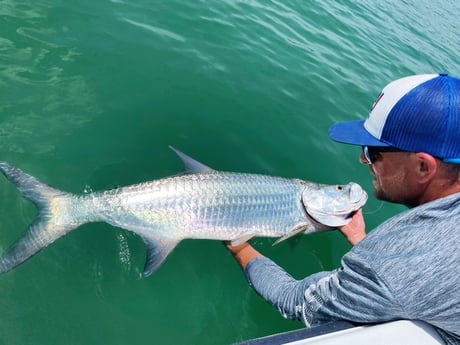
(427, 166)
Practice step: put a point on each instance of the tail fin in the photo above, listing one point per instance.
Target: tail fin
(51, 222)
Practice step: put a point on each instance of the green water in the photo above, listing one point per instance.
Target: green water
(93, 92)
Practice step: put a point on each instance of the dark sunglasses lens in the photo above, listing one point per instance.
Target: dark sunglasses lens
(368, 155)
(371, 152)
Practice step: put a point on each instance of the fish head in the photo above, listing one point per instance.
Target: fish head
(333, 205)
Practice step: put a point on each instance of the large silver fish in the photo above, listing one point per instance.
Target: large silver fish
(200, 203)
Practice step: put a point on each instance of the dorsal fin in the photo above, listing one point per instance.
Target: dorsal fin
(191, 166)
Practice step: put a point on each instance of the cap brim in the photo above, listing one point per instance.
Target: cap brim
(353, 133)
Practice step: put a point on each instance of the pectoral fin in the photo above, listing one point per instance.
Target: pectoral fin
(158, 250)
(297, 230)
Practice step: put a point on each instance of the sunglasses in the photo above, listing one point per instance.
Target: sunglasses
(370, 153)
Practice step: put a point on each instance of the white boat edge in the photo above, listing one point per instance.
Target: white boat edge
(395, 333)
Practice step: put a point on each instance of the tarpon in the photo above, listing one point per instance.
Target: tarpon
(200, 203)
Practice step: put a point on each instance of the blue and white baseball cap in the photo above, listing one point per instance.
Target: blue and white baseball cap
(419, 113)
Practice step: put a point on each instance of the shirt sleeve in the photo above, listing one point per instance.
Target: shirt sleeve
(353, 292)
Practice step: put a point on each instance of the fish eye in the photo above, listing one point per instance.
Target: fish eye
(339, 187)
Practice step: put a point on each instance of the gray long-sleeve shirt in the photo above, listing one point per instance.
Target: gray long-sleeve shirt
(407, 268)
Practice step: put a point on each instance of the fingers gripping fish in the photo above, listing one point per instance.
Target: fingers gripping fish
(201, 203)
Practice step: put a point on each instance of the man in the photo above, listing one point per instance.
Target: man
(409, 266)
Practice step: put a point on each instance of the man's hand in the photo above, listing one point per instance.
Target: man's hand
(354, 231)
(243, 253)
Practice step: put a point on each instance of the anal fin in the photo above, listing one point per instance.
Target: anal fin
(158, 250)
